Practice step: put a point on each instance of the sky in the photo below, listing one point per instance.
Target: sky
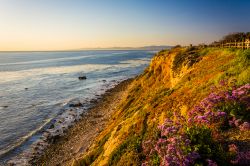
(28, 25)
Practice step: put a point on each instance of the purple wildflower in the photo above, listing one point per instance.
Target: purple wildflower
(221, 114)
(245, 126)
(211, 162)
(242, 158)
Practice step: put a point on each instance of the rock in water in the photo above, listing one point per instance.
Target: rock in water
(82, 77)
(2, 107)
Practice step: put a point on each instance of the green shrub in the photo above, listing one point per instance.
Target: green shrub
(132, 144)
(155, 160)
(235, 109)
(201, 139)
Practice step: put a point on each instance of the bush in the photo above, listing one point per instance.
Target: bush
(197, 141)
(226, 106)
(204, 144)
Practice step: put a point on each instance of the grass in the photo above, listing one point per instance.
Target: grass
(132, 145)
(90, 158)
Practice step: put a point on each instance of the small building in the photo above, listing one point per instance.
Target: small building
(247, 43)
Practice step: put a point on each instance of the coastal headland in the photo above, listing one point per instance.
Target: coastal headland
(190, 106)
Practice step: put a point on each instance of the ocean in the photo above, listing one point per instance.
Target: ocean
(37, 90)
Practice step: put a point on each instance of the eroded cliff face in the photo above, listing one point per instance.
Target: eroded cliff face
(173, 83)
(169, 67)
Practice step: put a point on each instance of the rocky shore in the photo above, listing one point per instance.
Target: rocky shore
(62, 150)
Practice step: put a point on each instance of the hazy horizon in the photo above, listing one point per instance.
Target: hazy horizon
(46, 25)
(143, 48)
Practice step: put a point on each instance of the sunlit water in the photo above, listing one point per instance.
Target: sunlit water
(36, 86)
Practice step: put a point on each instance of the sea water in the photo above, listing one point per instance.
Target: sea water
(36, 89)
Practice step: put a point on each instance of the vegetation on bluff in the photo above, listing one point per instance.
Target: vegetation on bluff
(233, 38)
(240, 36)
(189, 107)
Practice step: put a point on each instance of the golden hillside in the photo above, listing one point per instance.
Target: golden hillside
(175, 82)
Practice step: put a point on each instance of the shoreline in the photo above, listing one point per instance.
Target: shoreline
(80, 136)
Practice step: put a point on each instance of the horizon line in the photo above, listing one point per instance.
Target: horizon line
(92, 49)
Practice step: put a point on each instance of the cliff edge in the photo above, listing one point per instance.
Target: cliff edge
(189, 107)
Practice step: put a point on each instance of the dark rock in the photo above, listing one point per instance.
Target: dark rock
(104, 80)
(51, 126)
(93, 101)
(76, 105)
(55, 138)
(82, 77)
(26, 88)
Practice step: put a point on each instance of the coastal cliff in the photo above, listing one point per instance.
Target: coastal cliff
(173, 95)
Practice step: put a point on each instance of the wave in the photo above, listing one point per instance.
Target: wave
(18, 75)
(57, 126)
(8, 76)
(119, 53)
(46, 60)
(24, 138)
(60, 59)
(136, 62)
